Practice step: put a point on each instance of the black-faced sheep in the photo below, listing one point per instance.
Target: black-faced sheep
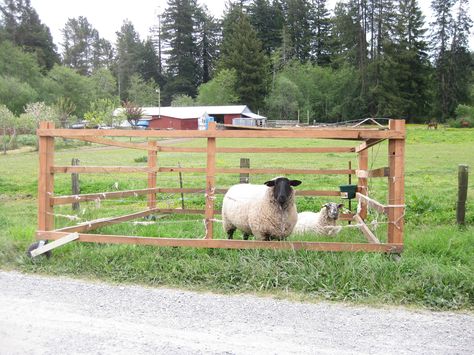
(322, 222)
(266, 211)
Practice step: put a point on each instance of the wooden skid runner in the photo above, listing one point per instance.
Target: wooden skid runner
(224, 243)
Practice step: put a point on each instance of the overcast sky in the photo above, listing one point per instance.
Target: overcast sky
(107, 15)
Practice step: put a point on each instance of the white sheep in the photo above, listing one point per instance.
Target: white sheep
(266, 211)
(322, 222)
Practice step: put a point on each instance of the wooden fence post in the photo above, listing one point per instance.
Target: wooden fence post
(210, 181)
(463, 175)
(45, 179)
(152, 160)
(75, 185)
(244, 177)
(396, 183)
(363, 181)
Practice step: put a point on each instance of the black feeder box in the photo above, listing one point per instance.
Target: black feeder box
(348, 191)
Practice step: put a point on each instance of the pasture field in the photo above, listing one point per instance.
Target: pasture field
(435, 271)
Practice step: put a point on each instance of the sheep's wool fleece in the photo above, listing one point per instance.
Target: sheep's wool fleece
(316, 223)
(252, 209)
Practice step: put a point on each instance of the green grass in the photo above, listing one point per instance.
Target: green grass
(436, 269)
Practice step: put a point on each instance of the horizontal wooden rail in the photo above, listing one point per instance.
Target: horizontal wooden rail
(100, 169)
(114, 143)
(64, 200)
(224, 243)
(323, 133)
(171, 149)
(143, 169)
(285, 171)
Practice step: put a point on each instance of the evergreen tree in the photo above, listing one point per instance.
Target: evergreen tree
(412, 67)
(442, 30)
(267, 19)
(129, 52)
(156, 39)
(83, 49)
(148, 67)
(321, 25)
(461, 60)
(181, 48)
(380, 20)
(349, 45)
(241, 50)
(208, 41)
(23, 27)
(383, 98)
(298, 26)
(103, 54)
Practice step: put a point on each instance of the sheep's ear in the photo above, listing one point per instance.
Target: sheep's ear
(270, 183)
(340, 205)
(295, 182)
(325, 205)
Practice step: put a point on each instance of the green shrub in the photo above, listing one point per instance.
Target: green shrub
(142, 159)
(464, 117)
(26, 140)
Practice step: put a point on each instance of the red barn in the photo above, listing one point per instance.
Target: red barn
(189, 117)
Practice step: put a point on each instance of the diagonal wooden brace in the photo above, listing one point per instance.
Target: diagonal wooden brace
(57, 243)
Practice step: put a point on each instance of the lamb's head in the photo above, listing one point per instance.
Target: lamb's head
(282, 191)
(332, 210)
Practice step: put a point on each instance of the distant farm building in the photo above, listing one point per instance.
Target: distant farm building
(197, 117)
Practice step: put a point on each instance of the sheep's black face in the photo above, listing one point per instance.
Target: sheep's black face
(282, 189)
(333, 209)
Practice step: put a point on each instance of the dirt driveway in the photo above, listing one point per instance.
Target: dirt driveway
(45, 315)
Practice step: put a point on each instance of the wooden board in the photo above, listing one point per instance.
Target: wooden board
(396, 183)
(172, 149)
(57, 243)
(45, 179)
(113, 143)
(101, 222)
(367, 144)
(380, 172)
(323, 133)
(152, 162)
(363, 159)
(229, 244)
(210, 183)
(371, 203)
(371, 238)
(143, 169)
(64, 200)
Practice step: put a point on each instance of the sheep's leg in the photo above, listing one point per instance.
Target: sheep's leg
(246, 236)
(230, 233)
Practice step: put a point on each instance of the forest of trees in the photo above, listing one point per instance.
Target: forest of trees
(282, 58)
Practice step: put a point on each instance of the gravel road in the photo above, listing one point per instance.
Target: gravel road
(45, 315)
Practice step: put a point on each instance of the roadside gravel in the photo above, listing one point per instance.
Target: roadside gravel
(46, 315)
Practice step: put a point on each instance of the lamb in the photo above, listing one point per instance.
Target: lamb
(323, 222)
(266, 211)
